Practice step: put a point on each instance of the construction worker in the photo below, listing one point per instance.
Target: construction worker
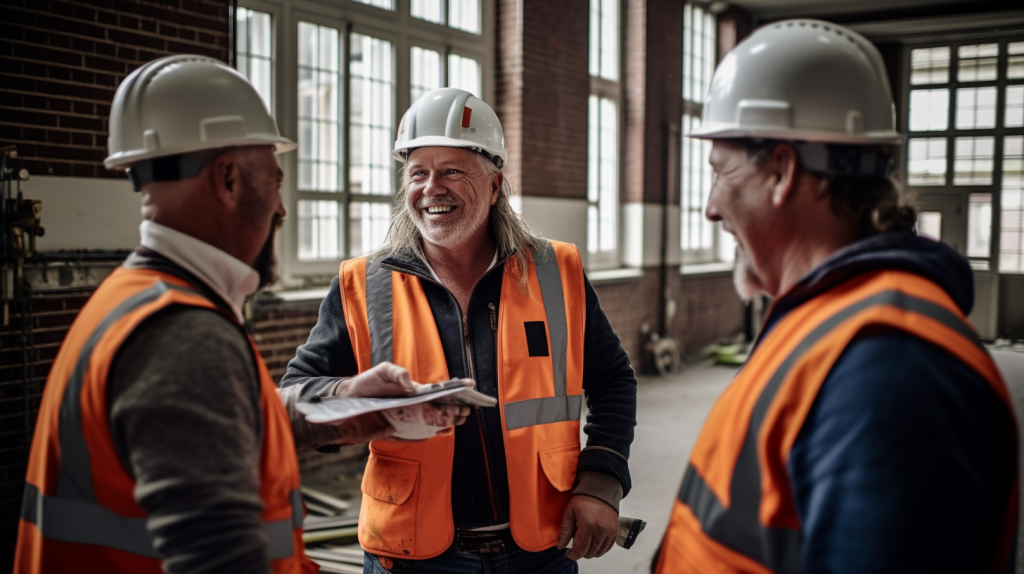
(869, 430)
(162, 444)
(461, 288)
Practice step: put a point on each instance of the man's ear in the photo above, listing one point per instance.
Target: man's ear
(784, 165)
(224, 178)
(496, 182)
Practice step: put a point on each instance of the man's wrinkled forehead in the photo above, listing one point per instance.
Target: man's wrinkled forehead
(440, 155)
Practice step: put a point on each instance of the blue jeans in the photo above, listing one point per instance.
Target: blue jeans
(512, 561)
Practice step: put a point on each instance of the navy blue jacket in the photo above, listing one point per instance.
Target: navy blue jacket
(480, 494)
(905, 461)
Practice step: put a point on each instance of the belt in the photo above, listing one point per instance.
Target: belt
(476, 542)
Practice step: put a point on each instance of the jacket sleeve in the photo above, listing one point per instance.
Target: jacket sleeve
(906, 451)
(325, 358)
(610, 389)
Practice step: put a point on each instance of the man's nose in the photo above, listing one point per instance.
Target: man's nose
(435, 185)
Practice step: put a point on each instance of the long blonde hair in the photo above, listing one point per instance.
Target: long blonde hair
(509, 230)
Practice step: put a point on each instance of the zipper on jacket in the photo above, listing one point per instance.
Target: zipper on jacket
(480, 421)
(494, 329)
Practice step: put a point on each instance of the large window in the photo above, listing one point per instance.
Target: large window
(603, 136)
(965, 117)
(348, 71)
(702, 241)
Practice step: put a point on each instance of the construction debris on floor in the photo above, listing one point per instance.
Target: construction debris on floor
(329, 532)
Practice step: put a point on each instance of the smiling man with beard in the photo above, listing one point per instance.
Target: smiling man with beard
(869, 430)
(462, 289)
(162, 444)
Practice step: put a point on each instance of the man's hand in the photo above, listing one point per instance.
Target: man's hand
(591, 524)
(384, 380)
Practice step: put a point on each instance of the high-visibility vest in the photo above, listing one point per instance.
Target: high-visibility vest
(406, 506)
(735, 511)
(79, 513)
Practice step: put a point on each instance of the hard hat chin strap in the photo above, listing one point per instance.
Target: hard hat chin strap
(844, 160)
(168, 168)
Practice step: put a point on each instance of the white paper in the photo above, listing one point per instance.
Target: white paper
(336, 410)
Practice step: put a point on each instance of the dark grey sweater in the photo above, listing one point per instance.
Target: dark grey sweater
(184, 417)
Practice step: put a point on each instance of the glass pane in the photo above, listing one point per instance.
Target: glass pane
(385, 4)
(975, 108)
(254, 52)
(604, 39)
(1014, 112)
(319, 99)
(978, 62)
(979, 224)
(1011, 226)
(602, 175)
(425, 69)
(372, 111)
(319, 230)
(429, 10)
(929, 65)
(973, 161)
(929, 110)
(687, 56)
(929, 224)
(465, 15)
(464, 73)
(595, 37)
(1015, 60)
(593, 159)
(368, 226)
(927, 161)
(697, 234)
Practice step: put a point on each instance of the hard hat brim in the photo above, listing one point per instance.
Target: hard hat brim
(120, 161)
(402, 149)
(725, 130)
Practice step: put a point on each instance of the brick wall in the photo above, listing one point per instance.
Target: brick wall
(543, 84)
(62, 60)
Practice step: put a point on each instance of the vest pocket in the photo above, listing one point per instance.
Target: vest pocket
(559, 466)
(390, 480)
(387, 516)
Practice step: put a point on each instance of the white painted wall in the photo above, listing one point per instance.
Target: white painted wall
(85, 213)
(558, 219)
(642, 235)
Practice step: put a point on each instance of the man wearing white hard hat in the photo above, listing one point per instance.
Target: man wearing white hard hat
(869, 430)
(162, 444)
(462, 289)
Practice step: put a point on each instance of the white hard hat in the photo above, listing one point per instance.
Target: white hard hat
(183, 104)
(802, 80)
(450, 117)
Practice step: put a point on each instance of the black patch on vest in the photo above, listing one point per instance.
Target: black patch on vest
(536, 338)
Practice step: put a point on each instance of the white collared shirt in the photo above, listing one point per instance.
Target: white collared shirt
(227, 276)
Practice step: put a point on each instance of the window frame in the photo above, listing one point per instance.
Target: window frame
(350, 17)
(963, 193)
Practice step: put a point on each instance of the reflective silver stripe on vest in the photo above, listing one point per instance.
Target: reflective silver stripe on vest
(379, 314)
(546, 263)
(542, 411)
(73, 514)
(738, 527)
(89, 523)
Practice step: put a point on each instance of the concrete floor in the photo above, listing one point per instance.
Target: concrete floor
(671, 412)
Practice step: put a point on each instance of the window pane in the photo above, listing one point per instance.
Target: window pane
(929, 224)
(978, 62)
(1011, 232)
(319, 108)
(973, 161)
(385, 4)
(1014, 112)
(465, 15)
(929, 110)
(604, 39)
(371, 115)
(979, 225)
(975, 108)
(929, 65)
(698, 52)
(254, 52)
(697, 234)
(425, 70)
(927, 161)
(1015, 60)
(603, 176)
(368, 226)
(464, 73)
(429, 10)
(319, 230)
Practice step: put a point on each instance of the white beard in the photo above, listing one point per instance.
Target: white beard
(745, 276)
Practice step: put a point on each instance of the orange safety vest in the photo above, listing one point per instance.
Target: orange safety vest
(735, 511)
(406, 508)
(79, 513)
